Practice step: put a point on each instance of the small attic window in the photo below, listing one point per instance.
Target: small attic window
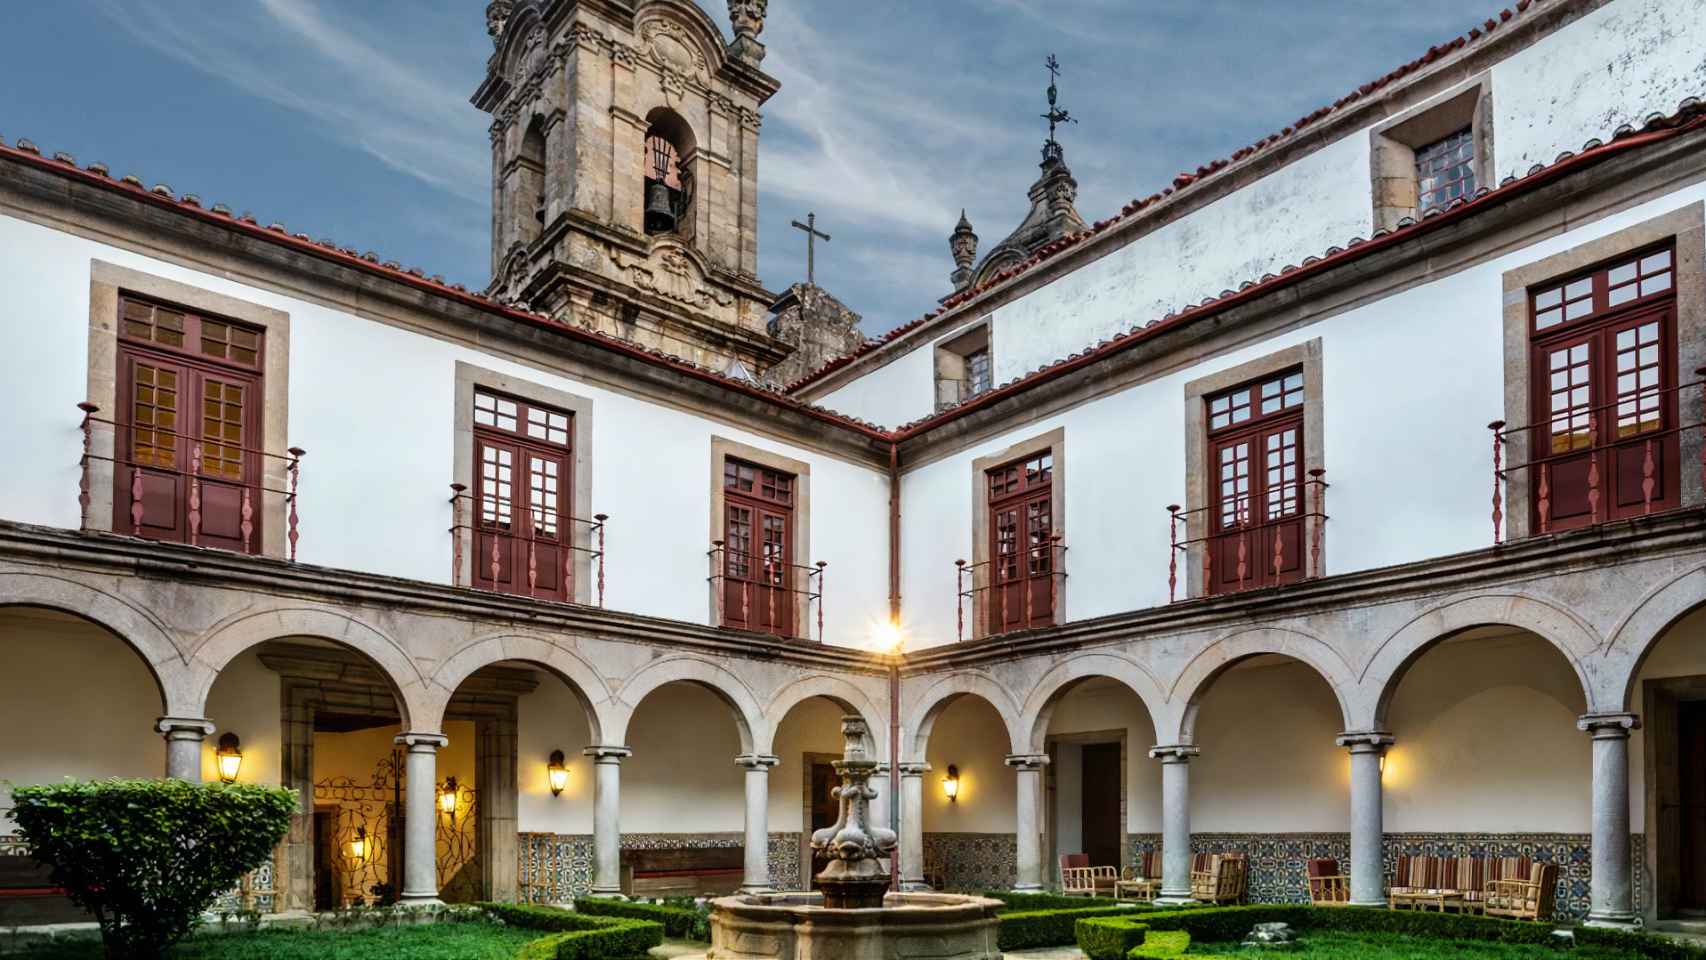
(1432, 156)
(1445, 170)
(963, 366)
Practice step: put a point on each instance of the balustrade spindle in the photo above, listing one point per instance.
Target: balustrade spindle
(455, 533)
(1545, 504)
(136, 501)
(83, 498)
(959, 601)
(601, 517)
(1243, 543)
(248, 524)
(1055, 554)
(1317, 474)
(1172, 551)
(1593, 467)
(296, 454)
(1498, 501)
(532, 564)
(746, 604)
(720, 579)
(1647, 480)
(770, 591)
(1025, 580)
(1279, 552)
(195, 495)
(495, 539)
(820, 595)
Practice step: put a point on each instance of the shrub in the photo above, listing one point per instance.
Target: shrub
(1108, 938)
(685, 921)
(576, 936)
(1025, 929)
(1043, 901)
(1163, 943)
(147, 857)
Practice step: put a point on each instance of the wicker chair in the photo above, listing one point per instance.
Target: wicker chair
(1328, 885)
(1218, 877)
(1142, 880)
(1079, 879)
(1530, 899)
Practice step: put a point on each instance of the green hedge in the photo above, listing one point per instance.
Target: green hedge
(1164, 943)
(1042, 901)
(1026, 929)
(682, 922)
(1109, 938)
(576, 936)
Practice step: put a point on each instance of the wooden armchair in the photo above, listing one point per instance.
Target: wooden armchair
(1220, 880)
(1079, 879)
(1328, 885)
(1142, 880)
(1520, 899)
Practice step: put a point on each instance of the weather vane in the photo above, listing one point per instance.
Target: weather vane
(1055, 116)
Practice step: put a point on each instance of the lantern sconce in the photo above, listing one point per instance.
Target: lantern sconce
(951, 783)
(358, 845)
(447, 797)
(229, 757)
(558, 772)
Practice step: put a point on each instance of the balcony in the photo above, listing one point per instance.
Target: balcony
(763, 594)
(1018, 591)
(167, 486)
(1241, 554)
(542, 557)
(1589, 465)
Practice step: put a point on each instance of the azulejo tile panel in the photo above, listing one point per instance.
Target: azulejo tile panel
(973, 861)
(556, 867)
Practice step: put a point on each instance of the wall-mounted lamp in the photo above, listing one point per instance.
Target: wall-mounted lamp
(358, 846)
(447, 796)
(951, 783)
(229, 756)
(558, 771)
(1383, 764)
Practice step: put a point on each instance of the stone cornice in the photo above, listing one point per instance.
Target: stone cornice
(217, 569)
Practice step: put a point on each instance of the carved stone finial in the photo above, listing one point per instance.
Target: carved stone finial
(963, 245)
(854, 847)
(747, 16)
(497, 14)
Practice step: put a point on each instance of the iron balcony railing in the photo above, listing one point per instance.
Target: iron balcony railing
(194, 477)
(1049, 562)
(1595, 449)
(1248, 537)
(562, 549)
(793, 582)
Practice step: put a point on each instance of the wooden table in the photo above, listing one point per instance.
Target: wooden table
(1141, 891)
(1441, 900)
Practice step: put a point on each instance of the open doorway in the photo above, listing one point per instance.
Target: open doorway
(1086, 797)
(1676, 762)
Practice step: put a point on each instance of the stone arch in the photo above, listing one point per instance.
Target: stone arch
(1638, 632)
(224, 642)
(577, 674)
(1385, 669)
(748, 715)
(133, 625)
(1178, 725)
(1060, 679)
(922, 715)
(843, 692)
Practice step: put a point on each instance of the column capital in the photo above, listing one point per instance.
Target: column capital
(421, 742)
(1606, 726)
(1365, 741)
(1027, 761)
(757, 761)
(184, 728)
(1174, 752)
(606, 753)
(917, 769)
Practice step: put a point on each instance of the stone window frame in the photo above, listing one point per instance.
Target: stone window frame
(1054, 443)
(107, 283)
(724, 449)
(1684, 226)
(1305, 355)
(1393, 144)
(950, 361)
(470, 376)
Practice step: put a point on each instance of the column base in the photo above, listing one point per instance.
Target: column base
(1185, 901)
(419, 901)
(916, 886)
(1371, 903)
(599, 891)
(756, 888)
(1612, 921)
(1027, 888)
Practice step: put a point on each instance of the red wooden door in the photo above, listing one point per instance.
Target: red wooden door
(1256, 503)
(1022, 552)
(758, 558)
(523, 542)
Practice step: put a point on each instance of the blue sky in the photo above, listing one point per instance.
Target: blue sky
(350, 118)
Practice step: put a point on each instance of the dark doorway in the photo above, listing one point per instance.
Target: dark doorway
(1100, 800)
(824, 810)
(1691, 774)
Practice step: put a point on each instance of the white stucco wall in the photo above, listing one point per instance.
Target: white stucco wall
(1617, 65)
(551, 718)
(245, 700)
(969, 735)
(682, 777)
(1098, 707)
(374, 405)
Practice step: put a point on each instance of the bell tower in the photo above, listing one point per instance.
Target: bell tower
(625, 171)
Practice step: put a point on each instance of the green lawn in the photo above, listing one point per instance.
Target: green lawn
(1325, 945)
(438, 941)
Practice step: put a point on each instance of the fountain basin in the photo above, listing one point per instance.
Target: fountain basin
(797, 926)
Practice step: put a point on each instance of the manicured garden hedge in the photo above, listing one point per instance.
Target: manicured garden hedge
(683, 921)
(1043, 901)
(576, 936)
(1026, 929)
(1109, 938)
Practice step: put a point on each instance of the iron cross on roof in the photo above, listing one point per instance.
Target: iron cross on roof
(812, 236)
(1055, 116)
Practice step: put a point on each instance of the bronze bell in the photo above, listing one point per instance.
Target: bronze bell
(660, 209)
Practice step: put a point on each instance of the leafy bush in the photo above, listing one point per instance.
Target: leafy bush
(1025, 929)
(147, 857)
(1163, 943)
(685, 921)
(1108, 938)
(1043, 901)
(577, 936)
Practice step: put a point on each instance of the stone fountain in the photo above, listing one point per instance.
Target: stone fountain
(853, 916)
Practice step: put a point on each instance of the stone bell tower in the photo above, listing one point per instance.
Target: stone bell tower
(625, 171)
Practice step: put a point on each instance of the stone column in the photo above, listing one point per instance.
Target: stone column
(1612, 902)
(912, 826)
(183, 745)
(498, 810)
(1029, 767)
(1368, 870)
(420, 818)
(757, 845)
(607, 819)
(1175, 821)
